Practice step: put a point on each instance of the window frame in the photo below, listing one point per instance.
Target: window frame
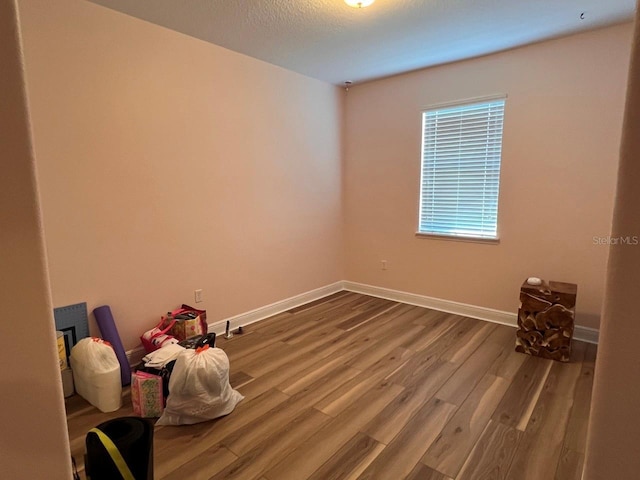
(449, 236)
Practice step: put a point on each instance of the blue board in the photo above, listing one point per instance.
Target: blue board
(73, 321)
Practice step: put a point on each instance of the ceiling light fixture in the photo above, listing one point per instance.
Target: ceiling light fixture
(359, 3)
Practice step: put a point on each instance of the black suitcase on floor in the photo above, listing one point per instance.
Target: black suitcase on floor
(133, 437)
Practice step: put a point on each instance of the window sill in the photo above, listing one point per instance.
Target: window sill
(455, 238)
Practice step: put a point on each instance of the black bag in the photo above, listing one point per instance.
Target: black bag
(165, 372)
(74, 469)
(199, 341)
(133, 439)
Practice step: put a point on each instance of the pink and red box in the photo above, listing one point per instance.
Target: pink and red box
(146, 394)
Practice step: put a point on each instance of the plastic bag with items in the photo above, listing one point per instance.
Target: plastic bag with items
(96, 373)
(199, 388)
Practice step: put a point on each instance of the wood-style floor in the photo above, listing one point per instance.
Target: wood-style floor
(355, 387)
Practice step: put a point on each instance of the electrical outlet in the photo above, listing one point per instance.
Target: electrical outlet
(198, 295)
(384, 264)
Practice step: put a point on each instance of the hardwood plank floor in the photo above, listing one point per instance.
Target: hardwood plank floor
(451, 448)
(352, 387)
(491, 457)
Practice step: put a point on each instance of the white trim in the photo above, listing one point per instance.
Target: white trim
(585, 334)
(481, 313)
(135, 355)
(459, 238)
(466, 101)
(278, 307)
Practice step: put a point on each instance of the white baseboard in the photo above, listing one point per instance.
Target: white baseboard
(135, 355)
(585, 334)
(267, 311)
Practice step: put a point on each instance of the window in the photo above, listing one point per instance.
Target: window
(461, 150)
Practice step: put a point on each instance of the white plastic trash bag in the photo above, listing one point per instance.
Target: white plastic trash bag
(96, 373)
(199, 388)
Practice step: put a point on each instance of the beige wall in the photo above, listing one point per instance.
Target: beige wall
(33, 442)
(168, 164)
(560, 152)
(613, 449)
(141, 132)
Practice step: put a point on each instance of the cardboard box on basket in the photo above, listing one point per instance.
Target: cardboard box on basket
(186, 328)
(186, 322)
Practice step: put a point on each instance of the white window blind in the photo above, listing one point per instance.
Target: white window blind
(461, 151)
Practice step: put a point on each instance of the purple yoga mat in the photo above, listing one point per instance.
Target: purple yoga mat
(109, 332)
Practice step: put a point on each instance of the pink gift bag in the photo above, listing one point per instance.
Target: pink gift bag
(146, 394)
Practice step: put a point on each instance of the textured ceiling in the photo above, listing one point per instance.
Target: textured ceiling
(328, 40)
